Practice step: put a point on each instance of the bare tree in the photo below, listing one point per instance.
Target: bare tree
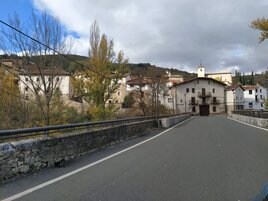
(38, 64)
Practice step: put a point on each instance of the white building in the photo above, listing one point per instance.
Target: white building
(166, 94)
(30, 80)
(225, 77)
(234, 98)
(255, 97)
(54, 79)
(201, 95)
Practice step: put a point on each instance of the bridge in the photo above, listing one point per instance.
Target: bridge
(204, 158)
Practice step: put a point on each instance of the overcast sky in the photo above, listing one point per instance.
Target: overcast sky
(171, 33)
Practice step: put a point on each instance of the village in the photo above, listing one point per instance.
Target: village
(144, 92)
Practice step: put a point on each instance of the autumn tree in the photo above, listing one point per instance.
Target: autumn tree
(262, 25)
(39, 57)
(100, 78)
(11, 113)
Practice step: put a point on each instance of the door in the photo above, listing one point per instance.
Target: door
(204, 110)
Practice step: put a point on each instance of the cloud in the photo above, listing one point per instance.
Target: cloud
(171, 33)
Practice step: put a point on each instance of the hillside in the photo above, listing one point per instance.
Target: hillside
(261, 79)
(148, 70)
(67, 63)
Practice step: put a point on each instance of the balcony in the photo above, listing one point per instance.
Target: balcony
(215, 102)
(204, 94)
(204, 103)
(192, 102)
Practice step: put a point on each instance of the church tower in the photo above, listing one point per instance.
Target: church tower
(201, 71)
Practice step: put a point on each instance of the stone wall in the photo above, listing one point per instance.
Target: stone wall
(26, 156)
(171, 121)
(263, 123)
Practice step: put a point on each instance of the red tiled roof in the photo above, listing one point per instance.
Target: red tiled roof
(249, 87)
(201, 78)
(233, 87)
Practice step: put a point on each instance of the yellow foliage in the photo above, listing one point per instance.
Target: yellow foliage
(262, 25)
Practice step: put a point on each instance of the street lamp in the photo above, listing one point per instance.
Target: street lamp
(184, 103)
(234, 97)
(158, 77)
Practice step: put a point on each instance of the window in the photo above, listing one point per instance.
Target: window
(261, 104)
(261, 97)
(214, 109)
(170, 100)
(213, 90)
(26, 79)
(260, 90)
(192, 100)
(26, 88)
(193, 109)
(37, 79)
(187, 90)
(250, 91)
(250, 105)
(110, 101)
(58, 79)
(193, 90)
(214, 99)
(256, 90)
(256, 98)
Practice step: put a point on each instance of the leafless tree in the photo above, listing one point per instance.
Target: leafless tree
(38, 63)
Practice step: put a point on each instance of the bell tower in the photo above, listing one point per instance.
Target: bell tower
(201, 71)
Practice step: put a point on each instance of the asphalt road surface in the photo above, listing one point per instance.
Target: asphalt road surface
(204, 159)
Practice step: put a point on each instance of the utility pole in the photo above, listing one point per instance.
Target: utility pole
(184, 103)
(158, 77)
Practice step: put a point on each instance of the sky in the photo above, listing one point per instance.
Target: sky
(168, 33)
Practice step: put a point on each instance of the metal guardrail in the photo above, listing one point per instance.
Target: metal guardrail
(253, 113)
(56, 130)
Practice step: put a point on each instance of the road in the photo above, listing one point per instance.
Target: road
(204, 159)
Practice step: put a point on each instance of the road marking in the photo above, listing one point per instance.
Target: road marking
(247, 124)
(21, 194)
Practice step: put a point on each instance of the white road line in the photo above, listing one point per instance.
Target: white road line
(247, 124)
(19, 195)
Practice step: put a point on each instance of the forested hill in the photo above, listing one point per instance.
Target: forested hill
(71, 63)
(67, 63)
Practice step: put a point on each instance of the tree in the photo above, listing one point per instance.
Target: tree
(252, 82)
(37, 60)
(10, 102)
(100, 79)
(262, 25)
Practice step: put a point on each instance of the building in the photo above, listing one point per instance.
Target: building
(201, 95)
(148, 85)
(255, 97)
(225, 77)
(31, 80)
(234, 98)
(123, 90)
